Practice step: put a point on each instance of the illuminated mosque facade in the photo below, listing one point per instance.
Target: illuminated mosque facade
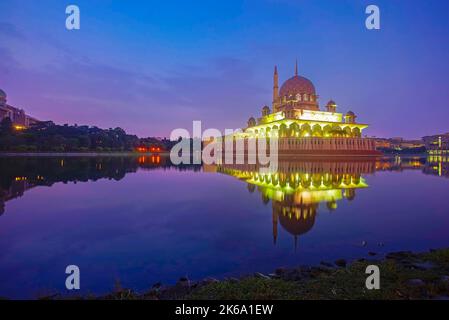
(301, 127)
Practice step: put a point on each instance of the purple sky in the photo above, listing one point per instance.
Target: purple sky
(152, 66)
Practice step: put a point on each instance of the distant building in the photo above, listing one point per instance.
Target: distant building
(437, 144)
(382, 143)
(18, 116)
(408, 144)
(397, 143)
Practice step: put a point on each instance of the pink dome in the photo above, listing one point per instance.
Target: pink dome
(295, 85)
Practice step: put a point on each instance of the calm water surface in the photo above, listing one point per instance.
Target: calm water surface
(140, 220)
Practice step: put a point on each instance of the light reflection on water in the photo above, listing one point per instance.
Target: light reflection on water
(140, 220)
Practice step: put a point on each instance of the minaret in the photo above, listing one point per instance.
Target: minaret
(296, 68)
(275, 87)
(275, 226)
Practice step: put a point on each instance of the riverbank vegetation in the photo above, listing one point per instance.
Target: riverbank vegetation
(49, 137)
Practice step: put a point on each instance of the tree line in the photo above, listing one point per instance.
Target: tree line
(47, 136)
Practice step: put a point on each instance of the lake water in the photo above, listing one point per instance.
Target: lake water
(140, 220)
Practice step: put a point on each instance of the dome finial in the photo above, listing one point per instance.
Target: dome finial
(296, 67)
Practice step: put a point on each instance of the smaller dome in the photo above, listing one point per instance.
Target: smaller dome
(350, 113)
(331, 103)
(2, 94)
(251, 122)
(265, 111)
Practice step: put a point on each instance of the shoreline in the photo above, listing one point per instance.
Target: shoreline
(80, 154)
(135, 154)
(404, 275)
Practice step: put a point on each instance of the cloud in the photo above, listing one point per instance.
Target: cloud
(10, 30)
(7, 62)
(68, 87)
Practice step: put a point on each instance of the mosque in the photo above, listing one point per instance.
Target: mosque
(301, 127)
(19, 118)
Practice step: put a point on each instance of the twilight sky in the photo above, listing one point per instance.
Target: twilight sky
(153, 66)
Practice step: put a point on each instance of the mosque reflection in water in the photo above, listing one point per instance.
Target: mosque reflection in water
(298, 190)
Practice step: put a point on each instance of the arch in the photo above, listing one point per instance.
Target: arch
(316, 180)
(347, 179)
(327, 180)
(350, 194)
(336, 131)
(347, 131)
(282, 180)
(275, 180)
(306, 131)
(265, 198)
(268, 131)
(327, 131)
(291, 179)
(294, 129)
(283, 130)
(295, 182)
(356, 132)
(267, 178)
(316, 131)
(305, 183)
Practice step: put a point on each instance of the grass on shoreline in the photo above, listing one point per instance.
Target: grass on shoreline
(403, 275)
(399, 280)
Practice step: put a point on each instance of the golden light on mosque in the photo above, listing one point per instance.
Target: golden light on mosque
(296, 119)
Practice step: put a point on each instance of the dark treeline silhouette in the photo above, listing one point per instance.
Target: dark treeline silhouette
(49, 137)
(48, 170)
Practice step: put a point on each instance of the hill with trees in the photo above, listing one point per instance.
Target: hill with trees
(47, 136)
